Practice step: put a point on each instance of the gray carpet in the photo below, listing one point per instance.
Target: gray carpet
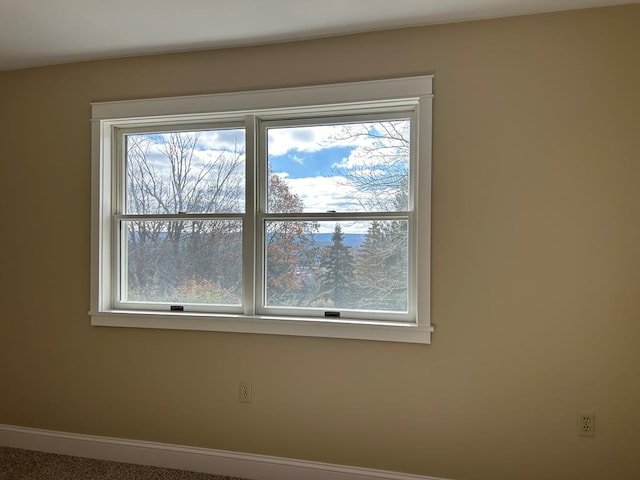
(16, 464)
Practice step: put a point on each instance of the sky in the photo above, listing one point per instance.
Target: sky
(312, 158)
(309, 158)
(309, 175)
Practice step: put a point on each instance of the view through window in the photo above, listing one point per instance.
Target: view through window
(345, 169)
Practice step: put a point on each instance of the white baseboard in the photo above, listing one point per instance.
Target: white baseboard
(220, 462)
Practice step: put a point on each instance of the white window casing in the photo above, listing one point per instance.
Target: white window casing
(255, 112)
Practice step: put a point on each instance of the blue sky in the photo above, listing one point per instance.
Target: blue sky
(306, 157)
(297, 164)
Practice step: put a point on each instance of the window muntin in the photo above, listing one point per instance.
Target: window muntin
(363, 101)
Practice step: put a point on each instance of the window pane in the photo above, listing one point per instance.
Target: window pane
(337, 265)
(191, 172)
(183, 261)
(348, 167)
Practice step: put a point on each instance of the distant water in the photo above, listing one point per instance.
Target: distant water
(350, 239)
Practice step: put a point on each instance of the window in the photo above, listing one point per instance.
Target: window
(299, 211)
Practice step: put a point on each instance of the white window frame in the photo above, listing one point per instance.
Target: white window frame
(109, 119)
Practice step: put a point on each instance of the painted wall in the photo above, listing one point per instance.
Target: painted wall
(536, 265)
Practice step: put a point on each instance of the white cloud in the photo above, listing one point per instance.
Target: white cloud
(231, 140)
(283, 140)
(296, 159)
(371, 153)
(322, 194)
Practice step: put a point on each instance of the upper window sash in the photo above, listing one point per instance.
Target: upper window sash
(349, 130)
(124, 138)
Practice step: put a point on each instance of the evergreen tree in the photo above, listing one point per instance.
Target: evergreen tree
(369, 266)
(336, 277)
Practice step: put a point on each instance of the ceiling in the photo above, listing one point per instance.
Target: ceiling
(45, 32)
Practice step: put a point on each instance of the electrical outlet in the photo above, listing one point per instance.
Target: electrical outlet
(244, 392)
(586, 424)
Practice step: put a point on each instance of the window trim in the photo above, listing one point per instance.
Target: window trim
(361, 98)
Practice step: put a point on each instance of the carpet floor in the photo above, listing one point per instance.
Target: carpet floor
(17, 464)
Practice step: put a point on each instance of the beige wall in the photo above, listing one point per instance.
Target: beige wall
(536, 265)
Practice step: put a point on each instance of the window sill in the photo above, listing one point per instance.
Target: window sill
(360, 330)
